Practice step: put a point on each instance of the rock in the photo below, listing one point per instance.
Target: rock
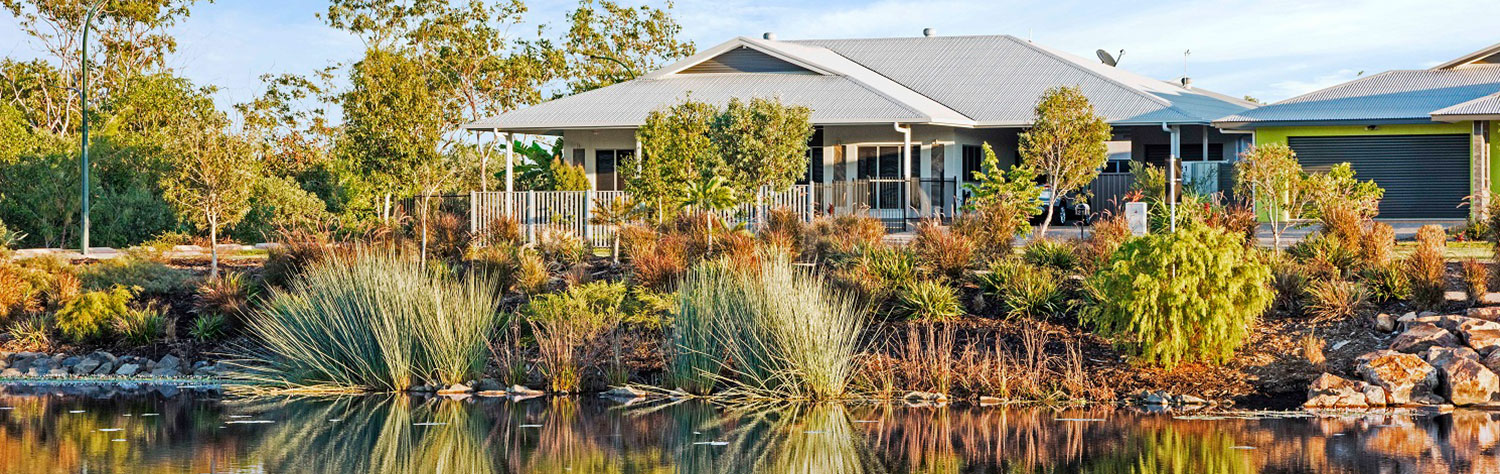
(1403, 376)
(105, 368)
(1375, 396)
(1421, 336)
(168, 361)
(1464, 381)
(1384, 322)
(486, 385)
(11, 372)
(455, 389)
(1332, 391)
(128, 370)
(164, 371)
(422, 389)
(69, 362)
(1490, 313)
(1440, 355)
(988, 401)
(1157, 398)
(1189, 400)
(1483, 339)
(104, 356)
(925, 396)
(624, 392)
(520, 391)
(86, 366)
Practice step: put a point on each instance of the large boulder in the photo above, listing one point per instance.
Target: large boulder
(1440, 355)
(1445, 321)
(1332, 391)
(1464, 381)
(1492, 362)
(1483, 336)
(86, 366)
(1419, 337)
(1491, 313)
(1406, 378)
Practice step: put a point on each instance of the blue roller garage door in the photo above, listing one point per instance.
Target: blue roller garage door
(1424, 176)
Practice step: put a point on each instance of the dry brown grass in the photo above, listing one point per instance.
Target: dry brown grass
(1335, 299)
(1312, 350)
(1109, 232)
(1426, 267)
(1476, 280)
(993, 229)
(945, 253)
(656, 259)
(1378, 245)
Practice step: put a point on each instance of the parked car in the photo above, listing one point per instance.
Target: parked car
(1069, 208)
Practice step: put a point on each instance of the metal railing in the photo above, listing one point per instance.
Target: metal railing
(899, 203)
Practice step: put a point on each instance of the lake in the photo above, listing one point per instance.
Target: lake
(100, 430)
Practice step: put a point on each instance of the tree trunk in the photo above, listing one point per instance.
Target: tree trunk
(424, 231)
(615, 245)
(213, 247)
(1048, 221)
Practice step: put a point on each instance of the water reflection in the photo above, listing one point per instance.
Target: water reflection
(66, 433)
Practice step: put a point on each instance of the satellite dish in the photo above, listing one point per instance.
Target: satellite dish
(1108, 60)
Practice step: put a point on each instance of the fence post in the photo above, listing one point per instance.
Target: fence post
(473, 214)
(588, 217)
(530, 216)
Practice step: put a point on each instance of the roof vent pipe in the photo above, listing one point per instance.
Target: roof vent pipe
(929, 32)
(769, 36)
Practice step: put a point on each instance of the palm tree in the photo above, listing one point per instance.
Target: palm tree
(709, 195)
(615, 213)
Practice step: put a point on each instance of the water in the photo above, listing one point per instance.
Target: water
(195, 432)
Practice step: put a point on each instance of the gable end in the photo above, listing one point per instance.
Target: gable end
(743, 60)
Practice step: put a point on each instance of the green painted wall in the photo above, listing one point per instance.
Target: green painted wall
(1280, 134)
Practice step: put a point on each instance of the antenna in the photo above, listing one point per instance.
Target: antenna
(1108, 60)
(1185, 54)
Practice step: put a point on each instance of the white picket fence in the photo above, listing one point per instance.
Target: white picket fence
(573, 211)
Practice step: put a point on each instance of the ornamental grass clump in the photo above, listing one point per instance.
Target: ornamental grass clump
(772, 331)
(928, 301)
(1335, 299)
(1189, 295)
(1426, 268)
(1050, 253)
(1476, 281)
(944, 253)
(1022, 289)
(371, 321)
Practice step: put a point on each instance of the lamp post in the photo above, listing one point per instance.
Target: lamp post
(83, 93)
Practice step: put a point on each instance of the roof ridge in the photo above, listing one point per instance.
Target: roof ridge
(1075, 65)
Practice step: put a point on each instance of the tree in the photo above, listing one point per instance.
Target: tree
(763, 142)
(678, 148)
(608, 43)
(1271, 173)
(1065, 143)
(394, 122)
(615, 213)
(210, 181)
(707, 196)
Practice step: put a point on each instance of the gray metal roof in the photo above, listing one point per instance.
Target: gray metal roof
(1403, 95)
(1483, 106)
(971, 81)
(833, 99)
(997, 79)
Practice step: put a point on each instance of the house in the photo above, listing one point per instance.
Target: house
(1427, 136)
(911, 111)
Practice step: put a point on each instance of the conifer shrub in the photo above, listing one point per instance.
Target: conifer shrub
(91, 315)
(1189, 295)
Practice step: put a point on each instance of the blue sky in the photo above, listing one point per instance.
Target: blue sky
(1271, 50)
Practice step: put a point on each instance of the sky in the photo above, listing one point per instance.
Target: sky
(1267, 49)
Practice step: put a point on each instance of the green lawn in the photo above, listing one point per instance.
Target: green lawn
(1456, 250)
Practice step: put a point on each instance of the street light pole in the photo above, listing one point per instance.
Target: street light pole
(83, 92)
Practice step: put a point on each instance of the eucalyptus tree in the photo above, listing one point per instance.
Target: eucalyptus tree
(609, 43)
(1065, 143)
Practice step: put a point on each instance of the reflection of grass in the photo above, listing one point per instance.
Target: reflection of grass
(375, 435)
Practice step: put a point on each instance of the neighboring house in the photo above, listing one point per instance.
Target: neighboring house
(1427, 136)
(952, 93)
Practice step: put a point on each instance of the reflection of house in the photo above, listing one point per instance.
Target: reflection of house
(1426, 136)
(952, 93)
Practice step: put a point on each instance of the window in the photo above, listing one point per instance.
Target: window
(879, 162)
(916, 161)
(606, 164)
(578, 155)
(814, 158)
(972, 156)
(1116, 166)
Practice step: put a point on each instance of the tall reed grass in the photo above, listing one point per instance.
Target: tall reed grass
(783, 333)
(372, 321)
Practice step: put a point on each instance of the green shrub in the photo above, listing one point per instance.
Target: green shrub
(874, 273)
(1289, 281)
(567, 327)
(228, 295)
(208, 327)
(151, 279)
(1334, 299)
(142, 326)
(91, 315)
(1193, 294)
(1050, 253)
(1023, 289)
(373, 321)
(1325, 257)
(1386, 283)
(781, 332)
(278, 203)
(928, 300)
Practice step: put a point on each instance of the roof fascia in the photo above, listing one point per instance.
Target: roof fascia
(1469, 58)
